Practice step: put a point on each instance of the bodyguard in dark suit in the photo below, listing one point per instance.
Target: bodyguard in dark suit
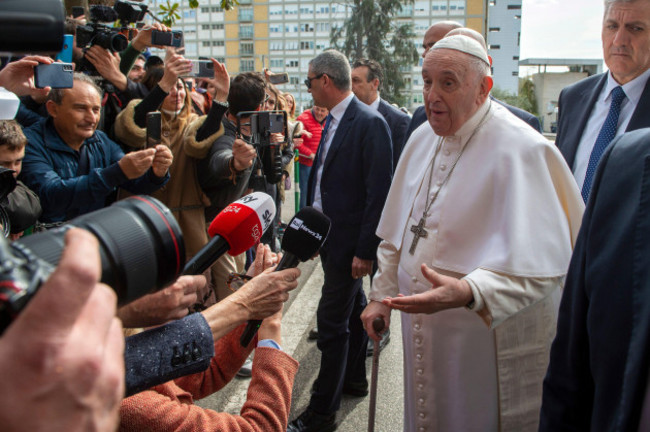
(584, 108)
(349, 182)
(367, 78)
(597, 379)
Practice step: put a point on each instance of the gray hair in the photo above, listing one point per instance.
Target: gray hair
(56, 95)
(335, 65)
(609, 3)
(479, 67)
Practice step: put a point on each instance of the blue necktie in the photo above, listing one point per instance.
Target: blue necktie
(321, 144)
(605, 136)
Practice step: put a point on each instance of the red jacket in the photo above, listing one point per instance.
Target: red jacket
(309, 145)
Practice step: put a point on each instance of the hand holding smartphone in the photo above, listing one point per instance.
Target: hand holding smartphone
(154, 129)
(55, 75)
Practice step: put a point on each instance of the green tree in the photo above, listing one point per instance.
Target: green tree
(525, 100)
(168, 13)
(372, 32)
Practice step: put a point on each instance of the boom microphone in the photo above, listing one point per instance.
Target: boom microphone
(235, 230)
(302, 239)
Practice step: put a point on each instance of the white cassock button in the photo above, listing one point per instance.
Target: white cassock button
(421, 415)
(443, 167)
(414, 279)
(420, 386)
(416, 326)
(420, 371)
(447, 152)
(418, 340)
(422, 429)
(439, 183)
(421, 401)
(418, 356)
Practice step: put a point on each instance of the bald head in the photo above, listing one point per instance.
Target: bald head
(437, 32)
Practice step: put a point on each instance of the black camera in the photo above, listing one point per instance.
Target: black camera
(262, 125)
(140, 244)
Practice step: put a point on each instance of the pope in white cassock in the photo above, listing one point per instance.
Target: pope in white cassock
(477, 233)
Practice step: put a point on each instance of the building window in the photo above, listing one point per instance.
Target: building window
(515, 58)
(306, 45)
(495, 47)
(511, 7)
(292, 63)
(247, 65)
(277, 64)
(205, 43)
(515, 74)
(246, 31)
(294, 80)
(246, 48)
(218, 43)
(216, 9)
(495, 29)
(217, 26)
(245, 14)
(205, 26)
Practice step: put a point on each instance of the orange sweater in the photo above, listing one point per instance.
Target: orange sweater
(170, 407)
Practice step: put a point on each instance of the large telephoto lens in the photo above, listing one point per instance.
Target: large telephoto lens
(140, 244)
(111, 41)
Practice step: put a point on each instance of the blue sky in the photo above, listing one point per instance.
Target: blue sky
(561, 29)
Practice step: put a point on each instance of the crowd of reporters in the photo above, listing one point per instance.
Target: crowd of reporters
(76, 150)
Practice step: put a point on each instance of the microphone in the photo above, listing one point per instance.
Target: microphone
(235, 230)
(303, 237)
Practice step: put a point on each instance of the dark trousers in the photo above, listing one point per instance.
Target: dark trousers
(341, 337)
(303, 171)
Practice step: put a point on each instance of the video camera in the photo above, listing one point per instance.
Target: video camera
(262, 124)
(140, 245)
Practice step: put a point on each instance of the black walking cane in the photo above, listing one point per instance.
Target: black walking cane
(378, 326)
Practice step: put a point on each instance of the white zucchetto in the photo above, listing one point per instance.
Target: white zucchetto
(464, 44)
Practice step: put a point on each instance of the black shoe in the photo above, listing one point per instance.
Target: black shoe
(385, 338)
(309, 421)
(313, 334)
(355, 389)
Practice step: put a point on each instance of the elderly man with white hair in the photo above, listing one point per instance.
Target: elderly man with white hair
(476, 254)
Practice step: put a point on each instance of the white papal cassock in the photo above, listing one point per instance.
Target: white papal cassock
(506, 221)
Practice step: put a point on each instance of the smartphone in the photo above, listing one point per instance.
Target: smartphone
(55, 75)
(173, 38)
(65, 55)
(201, 69)
(280, 78)
(154, 128)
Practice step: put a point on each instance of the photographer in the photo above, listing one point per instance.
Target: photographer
(188, 136)
(73, 167)
(18, 78)
(21, 204)
(224, 173)
(62, 357)
(169, 406)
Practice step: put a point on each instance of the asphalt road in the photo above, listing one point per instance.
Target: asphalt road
(300, 317)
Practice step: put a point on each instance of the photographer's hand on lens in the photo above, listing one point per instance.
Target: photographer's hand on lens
(220, 83)
(175, 66)
(62, 358)
(170, 303)
(243, 154)
(142, 40)
(135, 164)
(107, 64)
(18, 77)
(162, 160)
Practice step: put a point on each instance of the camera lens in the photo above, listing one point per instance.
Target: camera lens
(140, 244)
(111, 41)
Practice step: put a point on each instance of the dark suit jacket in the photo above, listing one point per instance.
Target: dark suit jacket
(420, 116)
(574, 108)
(600, 358)
(355, 181)
(179, 348)
(398, 122)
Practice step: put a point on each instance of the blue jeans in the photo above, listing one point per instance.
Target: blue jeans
(303, 173)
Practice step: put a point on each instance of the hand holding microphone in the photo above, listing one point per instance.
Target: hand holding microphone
(303, 237)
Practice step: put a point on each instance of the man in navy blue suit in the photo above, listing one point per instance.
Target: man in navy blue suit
(367, 79)
(584, 106)
(448, 28)
(349, 182)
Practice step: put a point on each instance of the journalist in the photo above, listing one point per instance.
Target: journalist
(224, 173)
(73, 167)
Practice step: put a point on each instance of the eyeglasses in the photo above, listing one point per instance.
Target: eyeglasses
(237, 280)
(308, 80)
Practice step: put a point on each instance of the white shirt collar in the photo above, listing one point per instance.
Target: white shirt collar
(375, 104)
(632, 89)
(338, 111)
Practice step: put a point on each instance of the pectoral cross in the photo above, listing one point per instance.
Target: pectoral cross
(418, 232)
